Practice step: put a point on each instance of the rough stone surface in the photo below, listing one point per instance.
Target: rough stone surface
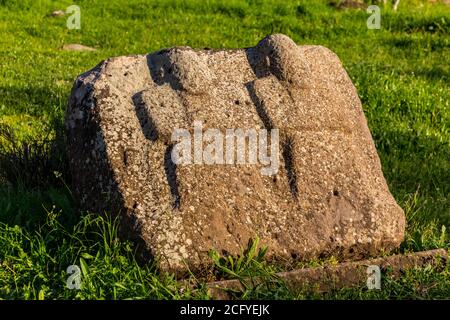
(328, 198)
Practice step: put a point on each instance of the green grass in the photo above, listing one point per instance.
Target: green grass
(401, 72)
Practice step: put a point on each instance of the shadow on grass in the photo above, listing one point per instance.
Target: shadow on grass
(434, 73)
(34, 177)
(416, 43)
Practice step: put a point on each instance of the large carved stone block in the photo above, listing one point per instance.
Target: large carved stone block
(327, 195)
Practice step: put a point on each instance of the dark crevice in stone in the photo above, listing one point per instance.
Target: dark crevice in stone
(145, 119)
(262, 113)
(259, 62)
(171, 174)
(125, 158)
(288, 147)
(162, 69)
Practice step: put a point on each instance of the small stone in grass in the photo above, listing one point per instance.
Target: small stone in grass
(57, 13)
(77, 47)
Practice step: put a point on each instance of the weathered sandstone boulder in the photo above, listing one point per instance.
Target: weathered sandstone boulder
(326, 195)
